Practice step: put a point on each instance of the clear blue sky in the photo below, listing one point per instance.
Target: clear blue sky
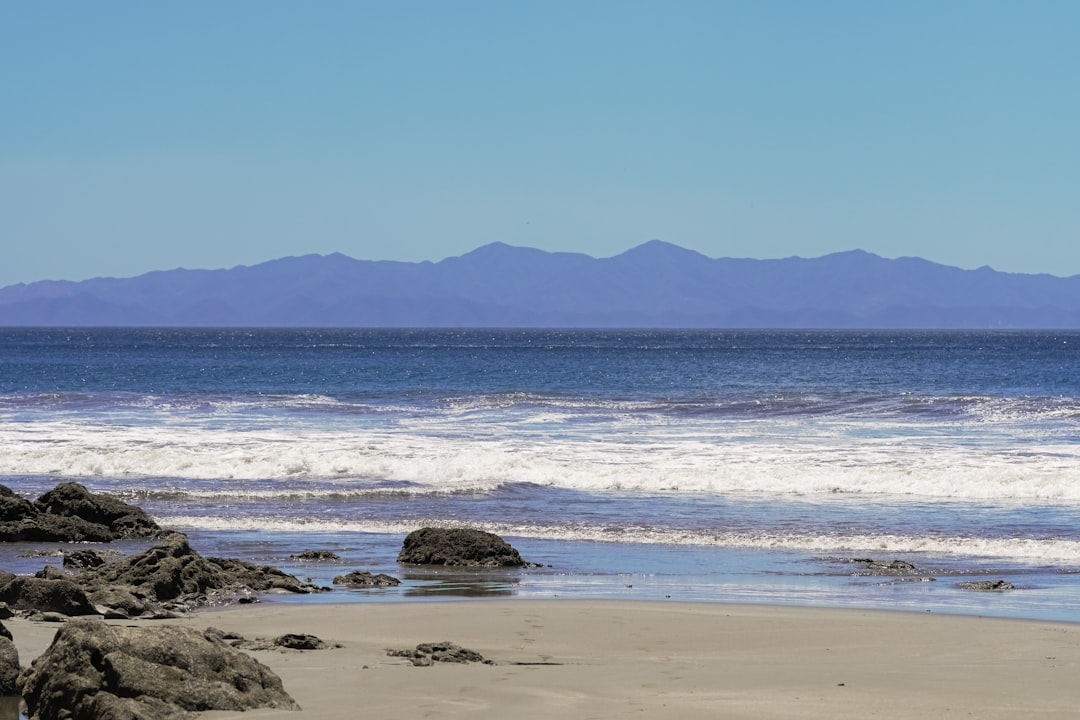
(150, 135)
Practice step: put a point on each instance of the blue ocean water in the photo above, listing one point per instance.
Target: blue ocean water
(697, 465)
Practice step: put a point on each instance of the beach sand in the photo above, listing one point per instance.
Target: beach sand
(617, 659)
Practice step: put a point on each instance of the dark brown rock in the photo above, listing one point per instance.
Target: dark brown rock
(73, 500)
(94, 671)
(122, 601)
(59, 596)
(289, 642)
(363, 578)
(458, 547)
(51, 572)
(82, 559)
(14, 507)
(70, 513)
(9, 666)
(426, 654)
(173, 571)
(299, 641)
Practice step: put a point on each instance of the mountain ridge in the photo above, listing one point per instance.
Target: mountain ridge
(655, 284)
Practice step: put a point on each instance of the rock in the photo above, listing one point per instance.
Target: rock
(51, 572)
(224, 635)
(173, 571)
(73, 500)
(283, 643)
(316, 556)
(9, 667)
(70, 513)
(82, 559)
(986, 585)
(297, 641)
(55, 528)
(458, 547)
(363, 578)
(426, 654)
(4, 632)
(14, 507)
(59, 596)
(878, 567)
(41, 552)
(121, 601)
(94, 671)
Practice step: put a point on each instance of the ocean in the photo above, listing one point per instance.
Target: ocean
(713, 466)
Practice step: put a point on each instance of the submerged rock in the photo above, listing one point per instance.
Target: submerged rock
(93, 670)
(986, 585)
(881, 567)
(316, 556)
(459, 547)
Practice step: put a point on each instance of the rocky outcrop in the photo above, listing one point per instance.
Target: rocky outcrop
(459, 547)
(41, 595)
(9, 663)
(427, 654)
(363, 578)
(9, 667)
(93, 671)
(167, 578)
(172, 572)
(70, 513)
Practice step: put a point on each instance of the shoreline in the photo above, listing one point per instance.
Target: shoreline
(609, 658)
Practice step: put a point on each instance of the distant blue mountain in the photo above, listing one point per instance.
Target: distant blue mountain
(653, 285)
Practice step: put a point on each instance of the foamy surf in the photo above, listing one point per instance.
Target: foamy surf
(739, 459)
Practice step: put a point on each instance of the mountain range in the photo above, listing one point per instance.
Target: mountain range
(656, 284)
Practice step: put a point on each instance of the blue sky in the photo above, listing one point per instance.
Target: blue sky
(141, 135)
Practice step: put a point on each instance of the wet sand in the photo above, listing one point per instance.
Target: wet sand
(618, 659)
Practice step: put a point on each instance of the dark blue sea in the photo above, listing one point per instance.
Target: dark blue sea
(748, 466)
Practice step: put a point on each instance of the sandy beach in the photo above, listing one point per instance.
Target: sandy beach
(618, 659)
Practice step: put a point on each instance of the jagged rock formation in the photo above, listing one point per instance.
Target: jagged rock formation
(174, 574)
(70, 513)
(9, 664)
(93, 671)
(167, 578)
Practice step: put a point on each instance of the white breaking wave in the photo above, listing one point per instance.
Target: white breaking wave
(1027, 550)
(800, 458)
